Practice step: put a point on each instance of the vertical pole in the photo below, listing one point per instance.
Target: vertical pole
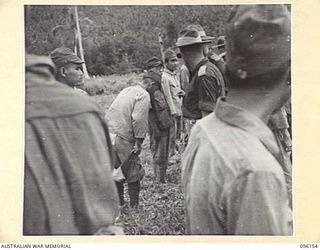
(161, 47)
(80, 42)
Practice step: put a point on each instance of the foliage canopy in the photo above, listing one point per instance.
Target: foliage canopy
(117, 39)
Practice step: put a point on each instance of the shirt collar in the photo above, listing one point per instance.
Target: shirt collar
(173, 73)
(245, 120)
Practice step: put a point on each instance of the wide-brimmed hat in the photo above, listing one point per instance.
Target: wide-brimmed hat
(62, 56)
(258, 39)
(201, 31)
(190, 35)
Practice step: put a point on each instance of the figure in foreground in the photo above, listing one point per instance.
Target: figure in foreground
(68, 185)
(233, 180)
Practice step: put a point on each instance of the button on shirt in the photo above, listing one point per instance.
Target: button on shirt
(232, 179)
(127, 116)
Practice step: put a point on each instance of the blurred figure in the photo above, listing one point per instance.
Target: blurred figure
(221, 45)
(127, 118)
(69, 68)
(173, 94)
(279, 125)
(68, 185)
(160, 120)
(184, 76)
(233, 179)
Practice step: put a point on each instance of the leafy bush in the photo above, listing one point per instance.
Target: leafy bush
(117, 39)
(112, 84)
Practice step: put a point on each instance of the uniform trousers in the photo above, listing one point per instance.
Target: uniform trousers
(159, 145)
(123, 149)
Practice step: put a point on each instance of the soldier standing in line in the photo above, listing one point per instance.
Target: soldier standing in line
(205, 78)
(173, 94)
(69, 68)
(160, 120)
(68, 184)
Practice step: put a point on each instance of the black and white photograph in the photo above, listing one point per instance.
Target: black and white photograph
(158, 120)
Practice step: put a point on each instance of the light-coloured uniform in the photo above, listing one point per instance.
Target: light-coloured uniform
(233, 180)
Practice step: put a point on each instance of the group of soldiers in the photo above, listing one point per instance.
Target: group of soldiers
(228, 108)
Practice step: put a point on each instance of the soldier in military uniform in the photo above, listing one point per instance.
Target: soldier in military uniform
(206, 80)
(69, 68)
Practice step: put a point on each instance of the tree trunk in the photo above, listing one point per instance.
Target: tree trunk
(79, 38)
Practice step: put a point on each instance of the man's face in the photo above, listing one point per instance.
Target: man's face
(206, 49)
(73, 75)
(172, 63)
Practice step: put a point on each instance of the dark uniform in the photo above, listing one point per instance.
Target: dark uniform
(160, 123)
(206, 85)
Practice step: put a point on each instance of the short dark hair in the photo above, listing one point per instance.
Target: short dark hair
(268, 79)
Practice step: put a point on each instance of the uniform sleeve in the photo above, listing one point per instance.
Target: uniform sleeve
(209, 91)
(257, 205)
(165, 85)
(140, 116)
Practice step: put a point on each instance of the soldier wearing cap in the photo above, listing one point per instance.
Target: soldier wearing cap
(221, 45)
(160, 120)
(127, 118)
(69, 68)
(205, 87)
(68, 184)
(173, 94)
(233, 179)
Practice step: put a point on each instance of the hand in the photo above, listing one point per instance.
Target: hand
(138, 146)
(137, 149)
(181, 93)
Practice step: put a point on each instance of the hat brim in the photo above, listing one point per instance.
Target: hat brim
(191, 43)
(207, 38)
(76, 61)
(218, 46)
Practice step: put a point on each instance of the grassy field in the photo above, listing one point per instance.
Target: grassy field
(161, 205)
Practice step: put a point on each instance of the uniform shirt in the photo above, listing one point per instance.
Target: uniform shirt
(204, 90)
(170, 84)
(232, 179)
(127, 116)
(68, 186)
